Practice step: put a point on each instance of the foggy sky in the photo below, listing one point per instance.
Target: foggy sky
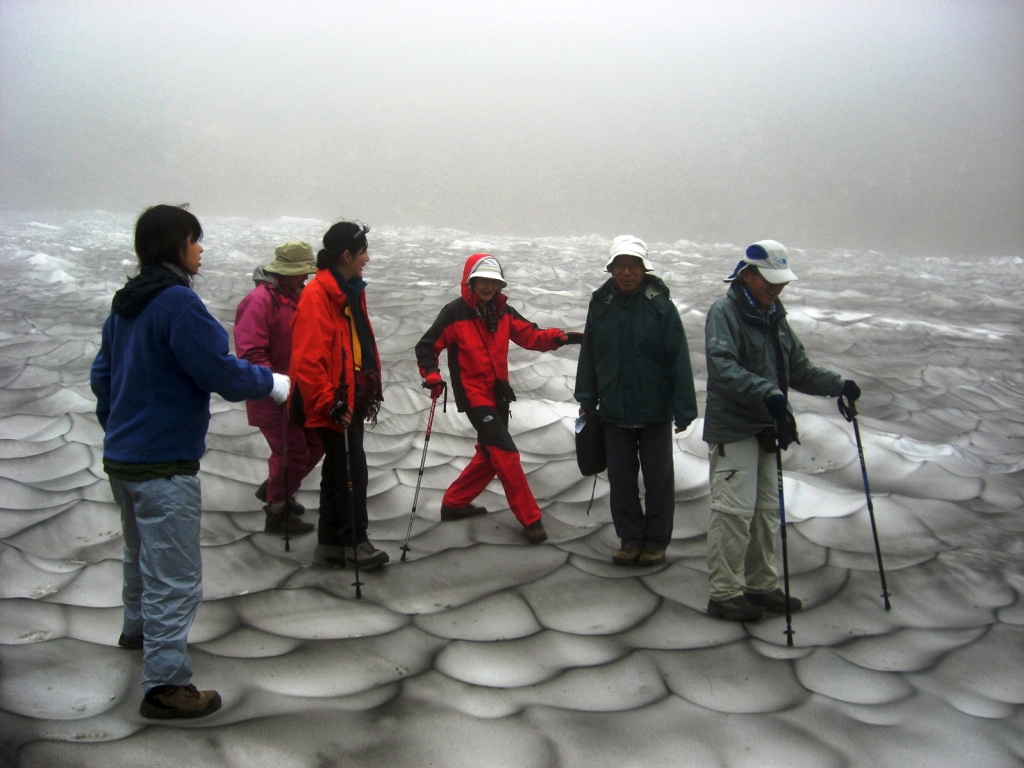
(889, 125)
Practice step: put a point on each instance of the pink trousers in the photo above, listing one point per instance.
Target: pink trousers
(304, 453)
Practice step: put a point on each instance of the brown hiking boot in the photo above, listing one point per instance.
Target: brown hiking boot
(166, 702)
(276, 517)
(734, 609)
(535, 532)
(449, 514)
(627, 554)
(651, 556)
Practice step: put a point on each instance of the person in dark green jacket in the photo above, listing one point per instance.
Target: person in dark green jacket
(634, 370)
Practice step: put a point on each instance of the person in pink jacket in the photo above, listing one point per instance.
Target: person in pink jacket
(263, 335)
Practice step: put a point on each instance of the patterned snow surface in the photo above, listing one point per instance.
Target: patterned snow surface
(481, 650)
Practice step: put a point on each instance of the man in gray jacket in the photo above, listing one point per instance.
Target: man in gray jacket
(753, 359)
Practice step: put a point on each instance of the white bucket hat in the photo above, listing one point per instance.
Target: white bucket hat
(488, 267)
(627, 245)
(770, 258)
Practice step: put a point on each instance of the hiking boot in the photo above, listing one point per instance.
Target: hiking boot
(651, 556)
(366, 555)
(328, 556)
(276, 522)
(535, 532)
(627, 554)
(131, 642)
(774, 602)
(261, 492)
(734, 609)
(296, 527)
(449, 514)
(166, 702)
(295, 507)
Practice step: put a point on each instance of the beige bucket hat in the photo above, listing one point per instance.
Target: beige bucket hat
(292, 258)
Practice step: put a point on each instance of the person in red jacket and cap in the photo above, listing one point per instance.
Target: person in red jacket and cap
(476, 329)
(263, 336)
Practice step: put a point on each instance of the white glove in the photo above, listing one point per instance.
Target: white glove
(282, 387)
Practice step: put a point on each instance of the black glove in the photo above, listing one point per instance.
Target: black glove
(776, 405)
(785, 429)
(571, 337)
(340, 407)
(850, 390)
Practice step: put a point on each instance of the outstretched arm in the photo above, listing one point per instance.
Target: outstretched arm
(528, 336)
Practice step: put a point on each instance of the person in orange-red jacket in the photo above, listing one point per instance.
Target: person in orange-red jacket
(336, 369)
(476, 329)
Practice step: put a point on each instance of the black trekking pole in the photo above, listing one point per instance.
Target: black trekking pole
(352, 509)
(419, 479)
(849, 410)
(287, 510)
(785, 552)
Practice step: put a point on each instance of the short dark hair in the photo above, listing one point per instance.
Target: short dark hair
(344, 236)
(163, 233)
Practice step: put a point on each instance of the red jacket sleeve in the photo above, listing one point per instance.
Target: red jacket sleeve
(528, 336)
(437, 337)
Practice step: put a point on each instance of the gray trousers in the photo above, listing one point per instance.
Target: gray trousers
(163, 571)
(744, 519)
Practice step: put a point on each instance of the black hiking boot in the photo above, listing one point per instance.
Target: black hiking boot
(734, 609)
(131, 642)
(261, 492)
(774, 602)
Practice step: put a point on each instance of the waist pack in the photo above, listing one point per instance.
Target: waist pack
(590, 453)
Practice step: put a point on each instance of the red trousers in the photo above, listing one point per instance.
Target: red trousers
(496, 454)
(304, 453)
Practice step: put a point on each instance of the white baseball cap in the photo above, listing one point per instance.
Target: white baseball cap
(488, 267)
(627, 245)
(770, 258)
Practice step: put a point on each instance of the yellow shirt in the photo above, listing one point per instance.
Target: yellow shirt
(357, 348)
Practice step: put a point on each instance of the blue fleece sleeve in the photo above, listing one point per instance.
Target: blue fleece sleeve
(200, 345)
(99, 376)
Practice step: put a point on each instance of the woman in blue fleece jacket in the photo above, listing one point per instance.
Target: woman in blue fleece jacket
(161, 356)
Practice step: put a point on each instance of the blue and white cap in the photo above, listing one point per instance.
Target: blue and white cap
(770, 258)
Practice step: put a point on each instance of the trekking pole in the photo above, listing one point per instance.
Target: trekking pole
(287, 511)
(352, 509)
(849, 410)
(785, 552)
(419, 479)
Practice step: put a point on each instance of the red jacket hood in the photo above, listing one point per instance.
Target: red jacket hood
(467, 294)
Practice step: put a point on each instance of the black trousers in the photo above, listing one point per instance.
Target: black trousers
(335, 526)
(629, 450)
